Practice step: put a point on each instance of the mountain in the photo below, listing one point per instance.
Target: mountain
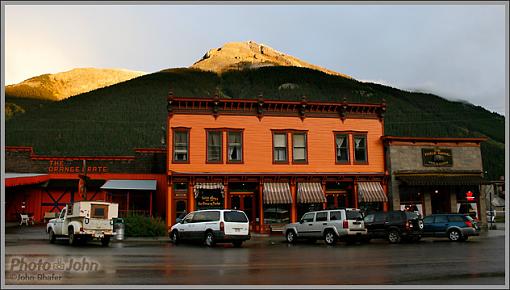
(116, 119)
(250, 55)
(62, 85)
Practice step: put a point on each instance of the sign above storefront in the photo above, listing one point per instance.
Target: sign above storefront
(437, 157)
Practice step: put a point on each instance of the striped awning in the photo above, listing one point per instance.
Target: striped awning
(208, 185)
(277, 193)
(371, 192)
(310, 192)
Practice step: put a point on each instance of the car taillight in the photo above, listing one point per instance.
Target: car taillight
(345, 224)
(222, 227)
(81, 229)
(469, 224)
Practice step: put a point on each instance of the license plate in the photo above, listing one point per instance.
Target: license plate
(98, 235)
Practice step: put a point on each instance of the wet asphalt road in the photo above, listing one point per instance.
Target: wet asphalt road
(261, 261)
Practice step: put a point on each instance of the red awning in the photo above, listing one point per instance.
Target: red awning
(15, 179)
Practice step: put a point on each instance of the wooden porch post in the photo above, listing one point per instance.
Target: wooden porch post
(324, 204)
(355, 193)
(169, 201)
(261, 207)
(191, 197)
(293, 209)
(150, 204)
(385, 204)
(226, 199)
(127, 204)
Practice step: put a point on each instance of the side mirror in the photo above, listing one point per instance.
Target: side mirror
(301, 221)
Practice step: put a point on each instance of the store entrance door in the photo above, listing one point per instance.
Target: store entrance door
(440, 202)
(246, 203)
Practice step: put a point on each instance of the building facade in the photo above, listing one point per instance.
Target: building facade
(273, 159)
(41, 185)
(437, 175)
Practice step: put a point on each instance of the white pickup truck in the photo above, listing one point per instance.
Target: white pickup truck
(84, 220)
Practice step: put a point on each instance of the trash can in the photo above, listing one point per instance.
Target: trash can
(119, 228)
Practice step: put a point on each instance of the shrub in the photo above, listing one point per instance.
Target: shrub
(144, 226)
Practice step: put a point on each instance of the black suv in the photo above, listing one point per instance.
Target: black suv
(394, 226)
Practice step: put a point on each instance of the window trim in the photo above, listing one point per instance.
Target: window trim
(348, 135)
(207, 131)
(354, 149)
(299, 132)
(181, 129)
(283, 132)
(241, 131)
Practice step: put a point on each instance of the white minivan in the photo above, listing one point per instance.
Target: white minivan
(212, 226)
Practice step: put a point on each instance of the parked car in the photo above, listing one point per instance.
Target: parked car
(211, 227)
(330, 225)
(394, 226)
(84, 220)
(457, 227)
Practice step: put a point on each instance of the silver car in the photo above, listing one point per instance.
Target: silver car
(330, 225)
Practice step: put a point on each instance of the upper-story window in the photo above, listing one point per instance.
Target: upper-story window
(181, 145)
(235, 146)
(342, 148)
(214, 146)
(360, 148)
(280, 147)
(299, 153)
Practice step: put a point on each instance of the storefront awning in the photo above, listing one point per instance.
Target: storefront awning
(15, 179)
(130, 184)
(440, 179)
(277, 193)
(371, 192)
(208, 185)
(310, 192)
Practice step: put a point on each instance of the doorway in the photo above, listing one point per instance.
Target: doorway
(440, 201)
(244, 202)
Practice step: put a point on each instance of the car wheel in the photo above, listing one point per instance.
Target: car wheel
(290, 236)
(72, 239)
(209, 239)
(237, 244)
(454, 235)
(51, 236)
(330, 237)
(394, 237)
(105, 241)
(175, 237)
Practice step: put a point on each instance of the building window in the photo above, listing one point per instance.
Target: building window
(280, 147)
(214, 146)
(235, 146)
(360, 148)
(342, 148)
(181, 145)
(299, 153)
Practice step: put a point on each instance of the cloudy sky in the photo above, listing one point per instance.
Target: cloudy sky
(456, 51)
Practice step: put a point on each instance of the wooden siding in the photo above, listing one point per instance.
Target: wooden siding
(258, 147)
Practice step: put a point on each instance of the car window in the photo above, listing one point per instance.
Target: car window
(455, 218)
(212, 216)
(369, 218)
(335, 215)
(428, 219)
(188, 218)
(380, 217)
(308, 217)
(321, 217)
(235, 216)
(441, 219)
(199, 217)
(411, 215)
(63, 213)
(353, 214)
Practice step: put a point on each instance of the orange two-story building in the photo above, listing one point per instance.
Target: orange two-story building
(274, 159)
